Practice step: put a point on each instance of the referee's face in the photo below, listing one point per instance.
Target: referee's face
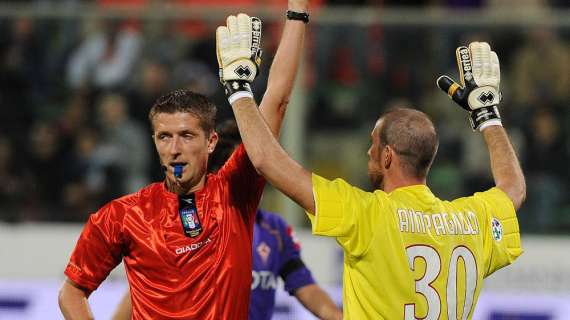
(181, 141)
(375, 171)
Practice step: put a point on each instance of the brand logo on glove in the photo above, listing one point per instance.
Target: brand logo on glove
(243, 72)
(255, 37)
(465, 59)
(486, 97)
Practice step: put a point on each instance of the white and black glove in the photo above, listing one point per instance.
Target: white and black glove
(478, 93)
(238, 47)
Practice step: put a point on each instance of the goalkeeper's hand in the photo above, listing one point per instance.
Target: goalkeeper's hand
(480, 77)
(238, 47)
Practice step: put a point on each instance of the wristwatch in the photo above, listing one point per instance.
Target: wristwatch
(294, 15)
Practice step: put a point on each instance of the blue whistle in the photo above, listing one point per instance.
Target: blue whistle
(178, 171)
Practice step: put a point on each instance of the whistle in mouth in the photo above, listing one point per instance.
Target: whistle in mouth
(178, 171)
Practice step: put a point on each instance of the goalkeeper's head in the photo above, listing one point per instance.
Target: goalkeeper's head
(404, 144)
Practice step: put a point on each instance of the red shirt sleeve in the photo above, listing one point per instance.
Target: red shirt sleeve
(99, 248)
(245, 185)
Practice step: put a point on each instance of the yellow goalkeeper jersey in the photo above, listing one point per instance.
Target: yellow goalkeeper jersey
(410, 255)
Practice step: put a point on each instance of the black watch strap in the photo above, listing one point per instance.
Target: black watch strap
(294, 15)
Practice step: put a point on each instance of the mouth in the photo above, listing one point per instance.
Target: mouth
(178, 167)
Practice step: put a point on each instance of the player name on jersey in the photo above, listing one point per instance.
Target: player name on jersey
(460, 223)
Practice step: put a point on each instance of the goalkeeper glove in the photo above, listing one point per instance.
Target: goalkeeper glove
(478, 93)
(239, 55)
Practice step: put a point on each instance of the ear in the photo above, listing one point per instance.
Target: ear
(387, 160)
(212, 142)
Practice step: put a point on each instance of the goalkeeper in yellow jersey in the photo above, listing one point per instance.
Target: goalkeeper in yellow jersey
(408, 254)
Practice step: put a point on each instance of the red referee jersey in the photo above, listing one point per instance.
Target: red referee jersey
(172, 276)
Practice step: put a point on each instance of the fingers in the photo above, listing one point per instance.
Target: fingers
(495, 66)
(486, 69)
(480, 52)
(232, 24)
(223, 43)
(453, 90)
(244, 27)
(445, 83)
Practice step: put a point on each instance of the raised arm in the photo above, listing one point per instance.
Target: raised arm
(73, 302)
(284, 69)
(269, 158)
(505, 166)
(316, 300)
(479, 94)
(237, 47)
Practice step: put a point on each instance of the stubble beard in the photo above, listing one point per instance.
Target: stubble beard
(179, 186)
(377, 181)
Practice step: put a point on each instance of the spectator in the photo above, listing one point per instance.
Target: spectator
(46, 159)
(20, 69)
(125, 144)
(151, 84)
(106, 58)
(533, 80)
(546, 163)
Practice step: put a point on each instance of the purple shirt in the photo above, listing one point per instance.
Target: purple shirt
(276, 253)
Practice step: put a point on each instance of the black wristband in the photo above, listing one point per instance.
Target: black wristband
(483, 115)
(236, 89)
(294, 15)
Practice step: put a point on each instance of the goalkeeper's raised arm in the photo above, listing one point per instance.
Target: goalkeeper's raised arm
(479, 94)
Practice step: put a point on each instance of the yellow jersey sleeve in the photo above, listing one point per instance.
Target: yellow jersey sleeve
(346, 213)
(501, 239)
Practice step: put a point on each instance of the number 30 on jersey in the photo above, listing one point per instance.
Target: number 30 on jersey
(432, 271)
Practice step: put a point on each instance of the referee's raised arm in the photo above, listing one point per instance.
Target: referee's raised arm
(284, 68)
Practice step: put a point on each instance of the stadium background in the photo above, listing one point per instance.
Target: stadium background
(77, 79)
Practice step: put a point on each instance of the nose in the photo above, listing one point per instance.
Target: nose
(175, 146)
(369, 151)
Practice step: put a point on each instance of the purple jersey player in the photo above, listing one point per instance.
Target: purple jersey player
(276, 253)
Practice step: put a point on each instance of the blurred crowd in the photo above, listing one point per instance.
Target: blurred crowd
(75, 95)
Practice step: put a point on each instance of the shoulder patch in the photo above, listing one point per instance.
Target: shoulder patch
(496, 229)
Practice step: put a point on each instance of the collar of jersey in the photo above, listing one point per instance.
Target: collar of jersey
(172, 195)
(417, 189)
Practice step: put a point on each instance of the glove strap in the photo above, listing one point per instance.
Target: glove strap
(237, 89)
(484, 117)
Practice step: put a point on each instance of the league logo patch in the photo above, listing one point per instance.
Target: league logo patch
(263, 250)
(496, 229)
